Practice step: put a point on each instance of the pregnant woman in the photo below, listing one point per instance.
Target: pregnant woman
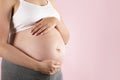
(32, 40)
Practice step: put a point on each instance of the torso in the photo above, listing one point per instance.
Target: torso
(48, 46)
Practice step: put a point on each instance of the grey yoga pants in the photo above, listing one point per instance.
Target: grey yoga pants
(10, 71)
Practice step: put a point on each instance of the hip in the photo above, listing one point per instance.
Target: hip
(11, 71)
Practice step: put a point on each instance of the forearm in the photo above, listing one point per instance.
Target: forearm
(63, 31)
(16, 56)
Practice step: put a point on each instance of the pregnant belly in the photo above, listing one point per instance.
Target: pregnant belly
(41, 47)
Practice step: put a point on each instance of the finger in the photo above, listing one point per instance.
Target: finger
(56, 66)
(39, 20)
(37, 29)
(51, 73)
(41, 30)
(37, 24)
(54, 71)
(40, 33)
(45, 31)
(57, 63)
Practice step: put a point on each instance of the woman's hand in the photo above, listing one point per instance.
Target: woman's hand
(44, 25)
(49, 67)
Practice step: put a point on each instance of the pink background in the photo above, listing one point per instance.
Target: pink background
(93, 52)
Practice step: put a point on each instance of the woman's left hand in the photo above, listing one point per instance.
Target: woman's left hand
(44, 25)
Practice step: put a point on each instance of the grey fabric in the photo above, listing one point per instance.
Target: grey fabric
(10, 71)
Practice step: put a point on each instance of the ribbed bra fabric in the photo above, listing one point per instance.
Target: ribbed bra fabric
(28, 13)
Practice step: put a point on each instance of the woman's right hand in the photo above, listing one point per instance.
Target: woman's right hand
(49, 66)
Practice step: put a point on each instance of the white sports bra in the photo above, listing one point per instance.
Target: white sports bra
(28, 13)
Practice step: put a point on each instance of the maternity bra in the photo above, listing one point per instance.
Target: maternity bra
(28, 13)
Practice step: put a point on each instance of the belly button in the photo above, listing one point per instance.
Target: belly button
(58, 50)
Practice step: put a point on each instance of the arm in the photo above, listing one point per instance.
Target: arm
(8, 51)
(44, 25)
(14, 55)
(61, 26)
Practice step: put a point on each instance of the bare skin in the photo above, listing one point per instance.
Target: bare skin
(42, 47)
(47, 60)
